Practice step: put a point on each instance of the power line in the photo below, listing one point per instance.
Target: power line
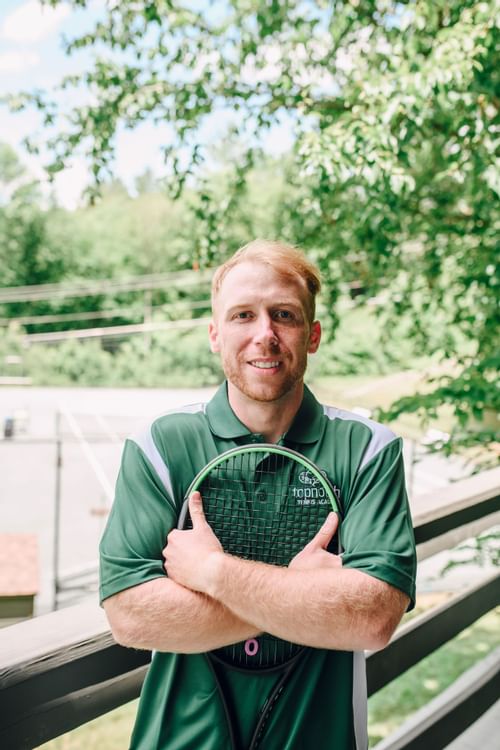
(105, 286)
(116, 312)
(65, 317)
(113, 331)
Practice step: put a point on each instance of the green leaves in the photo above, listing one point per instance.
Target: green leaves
(394, 179)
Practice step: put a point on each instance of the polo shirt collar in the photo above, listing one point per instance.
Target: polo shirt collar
(307, 425)
(222, 420)
(305, 428)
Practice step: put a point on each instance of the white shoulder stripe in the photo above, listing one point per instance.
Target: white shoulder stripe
(147, 445)
(144, 439)
(188, 409)
(381, 435)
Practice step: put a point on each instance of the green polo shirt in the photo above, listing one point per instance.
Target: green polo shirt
(180, 707)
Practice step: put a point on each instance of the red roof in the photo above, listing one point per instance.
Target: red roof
(18, 564)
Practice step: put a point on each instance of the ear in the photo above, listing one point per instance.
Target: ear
(213, 336)
(314, 337)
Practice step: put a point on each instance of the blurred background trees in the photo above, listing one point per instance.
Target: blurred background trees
(391, 185)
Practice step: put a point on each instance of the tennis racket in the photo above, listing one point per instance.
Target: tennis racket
(264, 502)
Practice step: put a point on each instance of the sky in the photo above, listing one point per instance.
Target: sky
(32, 56)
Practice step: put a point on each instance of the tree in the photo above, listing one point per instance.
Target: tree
(395, 164)
(26, 257)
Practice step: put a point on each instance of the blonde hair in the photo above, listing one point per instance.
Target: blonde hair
(288, 262)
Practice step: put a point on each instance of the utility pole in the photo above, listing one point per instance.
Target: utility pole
(57, 511)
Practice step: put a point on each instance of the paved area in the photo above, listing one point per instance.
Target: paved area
(93, 424)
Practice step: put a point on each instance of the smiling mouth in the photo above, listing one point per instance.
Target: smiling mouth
(265, 365)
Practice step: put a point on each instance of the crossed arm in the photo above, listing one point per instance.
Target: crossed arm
(211, 599)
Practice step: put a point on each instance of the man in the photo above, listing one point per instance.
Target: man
(186, 596)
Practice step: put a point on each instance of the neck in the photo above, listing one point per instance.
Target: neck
(271, 419)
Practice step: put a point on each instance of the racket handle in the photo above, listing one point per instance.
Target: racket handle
(266, 712)
(271, 702)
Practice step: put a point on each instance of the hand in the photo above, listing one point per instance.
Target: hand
(188, 552)
(314, 555)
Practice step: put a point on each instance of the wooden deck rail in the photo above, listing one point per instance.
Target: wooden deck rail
(61, 670)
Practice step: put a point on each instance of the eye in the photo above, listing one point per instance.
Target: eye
(242, 315)
(284, 315)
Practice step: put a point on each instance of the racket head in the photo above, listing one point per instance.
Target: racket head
(264, 502)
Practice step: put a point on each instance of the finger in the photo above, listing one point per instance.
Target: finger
(323, 537)
(169, 539)
(196, 509)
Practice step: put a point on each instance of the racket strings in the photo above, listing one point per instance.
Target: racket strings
(265, 507)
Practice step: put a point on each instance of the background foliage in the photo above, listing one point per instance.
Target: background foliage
(392, 183)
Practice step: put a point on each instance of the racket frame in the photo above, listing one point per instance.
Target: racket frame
(287, 667)
(259, 448)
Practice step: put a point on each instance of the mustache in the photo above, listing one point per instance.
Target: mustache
(269, 351)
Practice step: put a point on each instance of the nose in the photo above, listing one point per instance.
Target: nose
(264, 330)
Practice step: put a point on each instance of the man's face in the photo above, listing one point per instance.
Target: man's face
(262, 331)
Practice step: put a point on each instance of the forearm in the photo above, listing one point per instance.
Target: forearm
(339, 608)
(161, 615)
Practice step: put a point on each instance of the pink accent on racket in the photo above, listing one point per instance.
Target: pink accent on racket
(251, 647)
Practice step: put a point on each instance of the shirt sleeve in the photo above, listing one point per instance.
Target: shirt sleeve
(377, 532)
(141, 517)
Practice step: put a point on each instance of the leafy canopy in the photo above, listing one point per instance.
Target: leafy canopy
(394, 175)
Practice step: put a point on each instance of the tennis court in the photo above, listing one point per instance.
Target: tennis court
(88, 427)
